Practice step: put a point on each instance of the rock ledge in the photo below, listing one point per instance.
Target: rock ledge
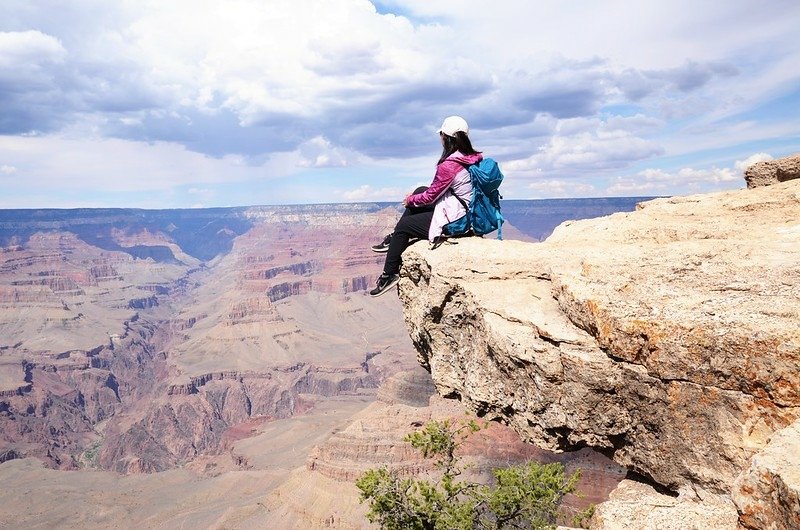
(667, 338)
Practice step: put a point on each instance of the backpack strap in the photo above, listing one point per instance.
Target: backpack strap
(462, 201)
(499, 225)
(437, 242)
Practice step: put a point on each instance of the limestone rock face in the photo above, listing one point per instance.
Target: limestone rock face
(667, 338)
(637, 506)
(772, 171)
(769, 490)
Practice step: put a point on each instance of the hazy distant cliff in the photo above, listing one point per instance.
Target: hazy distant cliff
(668, 338)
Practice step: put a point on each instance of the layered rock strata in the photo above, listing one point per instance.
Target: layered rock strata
(74, 347)
(181, 426)
(667, 337)
(269, 323)
(119, 348)
(53, 417)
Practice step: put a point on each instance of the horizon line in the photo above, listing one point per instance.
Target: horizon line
(285, 205)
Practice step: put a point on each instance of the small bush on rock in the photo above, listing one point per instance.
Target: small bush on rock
(522, 496)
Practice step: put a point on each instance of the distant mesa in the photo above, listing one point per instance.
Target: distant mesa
(157, 253)
(201, 233)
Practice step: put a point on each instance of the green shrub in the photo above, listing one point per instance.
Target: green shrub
(523, 496)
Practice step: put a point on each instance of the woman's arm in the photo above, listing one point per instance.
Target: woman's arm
(445, 173)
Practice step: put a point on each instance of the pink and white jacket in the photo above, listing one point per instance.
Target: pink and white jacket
(452, 179)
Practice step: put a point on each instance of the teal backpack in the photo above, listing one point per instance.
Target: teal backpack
(483, 211)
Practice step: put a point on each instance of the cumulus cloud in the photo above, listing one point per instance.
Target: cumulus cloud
(47, 82)
(28, 50)
(563, 102)
(581, 145)
(319, 152)
(659, 181)
(554, 188)
(284, 67)
(636, 124)
(368, 81)
(741, 165)
(368, 193)
(30, 67)
(637, 84)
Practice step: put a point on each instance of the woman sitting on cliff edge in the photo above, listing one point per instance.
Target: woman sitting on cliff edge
(428, 209)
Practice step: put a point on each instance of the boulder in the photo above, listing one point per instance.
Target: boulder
(772, 171)
(637, 506)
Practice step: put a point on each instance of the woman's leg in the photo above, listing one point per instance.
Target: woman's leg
(411, 225)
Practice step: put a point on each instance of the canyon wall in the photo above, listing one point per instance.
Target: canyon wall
(74, 351)
(137, 341)
(666, 338)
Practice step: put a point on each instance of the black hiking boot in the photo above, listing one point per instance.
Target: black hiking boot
(385, 282)
(383, 246)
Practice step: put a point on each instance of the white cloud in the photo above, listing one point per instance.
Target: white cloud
(741, 165)
(554, 188)
(27, 49)
(647, 35)
(288, 57)
(587, 146)
(368, 193)
(636, 124)
(319, 152)
(114, 165)
(7, 170)
(659, 181)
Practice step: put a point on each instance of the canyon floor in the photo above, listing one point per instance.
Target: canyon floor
(208, 493)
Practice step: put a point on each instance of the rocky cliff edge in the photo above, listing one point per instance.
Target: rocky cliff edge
(668, 338)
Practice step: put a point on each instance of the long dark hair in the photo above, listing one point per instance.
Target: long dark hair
(460, 142)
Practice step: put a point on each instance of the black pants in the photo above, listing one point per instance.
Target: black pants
(414, 223)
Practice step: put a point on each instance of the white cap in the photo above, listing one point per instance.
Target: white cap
(452, 124)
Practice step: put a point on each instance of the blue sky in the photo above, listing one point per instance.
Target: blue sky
(153, 104)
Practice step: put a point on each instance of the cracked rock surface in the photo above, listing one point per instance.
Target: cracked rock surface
(668, 337)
